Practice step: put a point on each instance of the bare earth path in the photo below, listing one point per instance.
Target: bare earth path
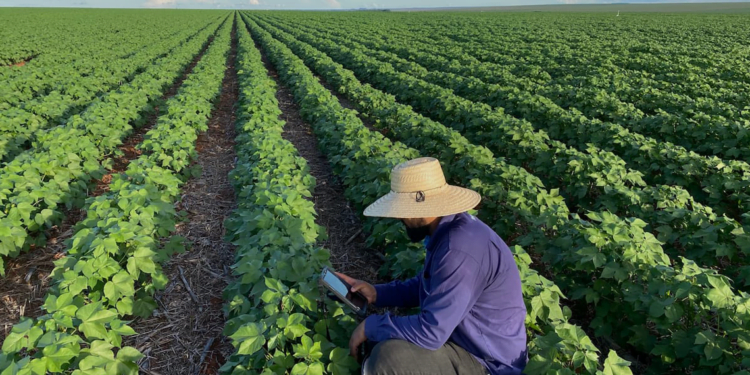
(184, 334)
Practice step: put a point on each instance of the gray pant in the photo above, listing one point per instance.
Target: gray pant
(398, 357)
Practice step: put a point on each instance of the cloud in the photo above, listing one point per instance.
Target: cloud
(160, 4)
(333, 3)
(183, 4)
(254, 2)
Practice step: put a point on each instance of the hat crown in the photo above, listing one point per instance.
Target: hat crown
(417, 175)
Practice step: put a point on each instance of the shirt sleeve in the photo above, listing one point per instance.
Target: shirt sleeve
(454, 288)
(398, 293)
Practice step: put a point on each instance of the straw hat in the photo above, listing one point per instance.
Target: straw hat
(418, 189)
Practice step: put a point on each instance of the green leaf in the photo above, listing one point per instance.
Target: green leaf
(614, 365)
(674, 313)
(656, 309)
(43, 216)
(714, 345)
(129, 354)
(22, 335)
(341, 362)
(101, 349)
(24, 210)
(14, 342)
(721, 296)
(249, 338)
(80, 283)
(59, 356)
(93, 330)
(143, 307)
(300, 369)
(143, 259)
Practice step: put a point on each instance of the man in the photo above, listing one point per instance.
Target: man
(472, 311)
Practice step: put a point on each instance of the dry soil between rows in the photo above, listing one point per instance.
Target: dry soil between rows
(183, 336)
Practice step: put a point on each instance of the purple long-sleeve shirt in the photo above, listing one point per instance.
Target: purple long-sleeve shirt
(469, 292)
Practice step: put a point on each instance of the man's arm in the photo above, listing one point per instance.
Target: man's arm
(455, 288)
(398, 293)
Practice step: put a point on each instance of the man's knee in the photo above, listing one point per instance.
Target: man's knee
(393, 357)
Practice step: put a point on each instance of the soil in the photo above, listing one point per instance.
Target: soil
(21, 63)
(25, 285)
(184, 335)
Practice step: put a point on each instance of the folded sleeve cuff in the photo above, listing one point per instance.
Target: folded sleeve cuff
(373, 329)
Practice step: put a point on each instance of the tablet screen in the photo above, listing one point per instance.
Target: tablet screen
(336, 284)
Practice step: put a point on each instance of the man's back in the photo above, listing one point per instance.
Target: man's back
(493, 328)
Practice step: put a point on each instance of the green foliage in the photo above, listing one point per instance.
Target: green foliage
(112, 269)
(638, 295)
(39, 184)
(591, 180)
(364, 159)
(275, 320)
(66, 93)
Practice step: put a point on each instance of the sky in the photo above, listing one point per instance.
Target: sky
(311, 4)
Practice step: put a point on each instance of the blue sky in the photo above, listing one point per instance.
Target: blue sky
(309, 4)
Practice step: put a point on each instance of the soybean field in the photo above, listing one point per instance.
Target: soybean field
(172, 182)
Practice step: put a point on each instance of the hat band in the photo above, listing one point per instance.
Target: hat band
(421, 195)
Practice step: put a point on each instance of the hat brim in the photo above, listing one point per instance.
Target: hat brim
(451, 200)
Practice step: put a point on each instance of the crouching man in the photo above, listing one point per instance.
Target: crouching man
(471, 318)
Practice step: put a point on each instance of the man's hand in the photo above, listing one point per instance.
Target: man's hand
(364, 288)
(357, 339)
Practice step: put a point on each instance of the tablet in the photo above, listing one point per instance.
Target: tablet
(342, 290)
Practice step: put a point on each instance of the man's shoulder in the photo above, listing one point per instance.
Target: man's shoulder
(469, 234)
(468, 227)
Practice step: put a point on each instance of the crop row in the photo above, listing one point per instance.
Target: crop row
(39, 183)
(364, 158)
(19, 125)
(677, 62)
(112, 269)
(682, 95)
(589, 181)
(277, 322)
(700, 125)
(93, 45)
(722, 184)
(638, 297)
